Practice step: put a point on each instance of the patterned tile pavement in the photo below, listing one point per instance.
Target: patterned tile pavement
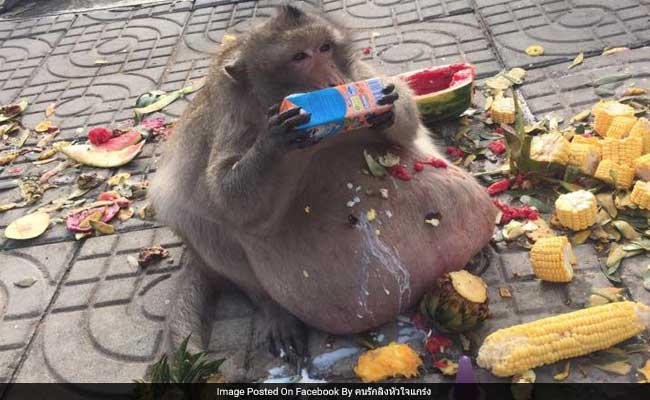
(92, 317)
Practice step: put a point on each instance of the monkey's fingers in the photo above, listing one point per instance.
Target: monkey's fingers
(280, 119)
(388, 99)
(382, 121)
(273, 110)
(295, 120)
(388, 88)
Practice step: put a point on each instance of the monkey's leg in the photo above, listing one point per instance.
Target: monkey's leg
(193, 310)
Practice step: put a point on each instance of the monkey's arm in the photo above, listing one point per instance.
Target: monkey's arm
(406, 126)
(246, 184)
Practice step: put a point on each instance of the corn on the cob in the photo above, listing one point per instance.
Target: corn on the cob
(622, 151)
(577, 210)
(642, 167)
(584, 156)
(642, 129)
(519, 348)
(551, 259)
(551, 147)
(620, 127)
(605, 111)
(503, 110)
(582, 139)
(610, 171)
(641, 194)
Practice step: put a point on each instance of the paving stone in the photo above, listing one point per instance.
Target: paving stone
(21, 57)
(117, 334)
(30, 27)
(565, 93)
(564, 28)
(516, 265)
(538, 296)
(583, 282)
(423, 44)
(22, 307)
(632, 273)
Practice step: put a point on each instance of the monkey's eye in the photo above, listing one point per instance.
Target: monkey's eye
(299, 56)
(325, 47)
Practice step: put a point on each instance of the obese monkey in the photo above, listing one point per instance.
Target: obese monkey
(262, 210)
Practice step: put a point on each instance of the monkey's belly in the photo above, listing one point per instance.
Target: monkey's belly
(342, 276)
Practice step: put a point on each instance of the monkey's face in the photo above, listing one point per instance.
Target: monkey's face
(295, 52)
(316, 67)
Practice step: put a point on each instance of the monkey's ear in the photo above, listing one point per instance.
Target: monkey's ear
(235, 70)
(290, 14)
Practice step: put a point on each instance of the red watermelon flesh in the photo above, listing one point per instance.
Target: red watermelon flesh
(438, 79)
(120, 142)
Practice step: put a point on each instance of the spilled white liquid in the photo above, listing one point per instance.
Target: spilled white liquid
(325, 361)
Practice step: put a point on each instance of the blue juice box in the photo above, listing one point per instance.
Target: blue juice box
(338, 109)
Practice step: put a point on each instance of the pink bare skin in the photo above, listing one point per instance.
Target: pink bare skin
(234, 182)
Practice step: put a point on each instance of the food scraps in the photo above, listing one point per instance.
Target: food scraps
(28, 226)
(389, 361)
(150, 255)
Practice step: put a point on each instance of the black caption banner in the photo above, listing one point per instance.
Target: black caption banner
(492, 391)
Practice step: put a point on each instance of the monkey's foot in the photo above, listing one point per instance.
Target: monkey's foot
(284, 335)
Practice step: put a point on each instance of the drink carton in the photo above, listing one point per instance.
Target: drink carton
(339, 109)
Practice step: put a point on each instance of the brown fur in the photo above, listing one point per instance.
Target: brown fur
(240, 203)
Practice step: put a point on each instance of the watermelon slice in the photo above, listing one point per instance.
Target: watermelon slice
(120, 142)
(98, 156)
(442, 92)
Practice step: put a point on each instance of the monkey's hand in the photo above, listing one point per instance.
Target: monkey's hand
(282, 128)
(385, 119)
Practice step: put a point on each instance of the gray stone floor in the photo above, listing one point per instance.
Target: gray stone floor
(91, 317)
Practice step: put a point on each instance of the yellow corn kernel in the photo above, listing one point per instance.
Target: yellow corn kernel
(622, 151)
(620, 126)
(519, 348)
(605, 111)
(584, 156)
(641, 194)
(610, 172)
(642, 167)
(642, 129)
(551, 147)
(576, 210)
(503, 110)
(551, 259)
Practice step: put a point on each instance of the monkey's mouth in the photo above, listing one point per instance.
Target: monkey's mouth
(329, 77)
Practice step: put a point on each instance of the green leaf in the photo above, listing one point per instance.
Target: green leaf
(538, 204)
(163, 101)
(611, 79)
(613, 277)
(374, 167)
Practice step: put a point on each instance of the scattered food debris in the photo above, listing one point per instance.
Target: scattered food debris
(25, 282)
(150, 255)
(535, 50)
(578, 60)
(28, 226)
(457, 303)
(389, 361)
(505, 293)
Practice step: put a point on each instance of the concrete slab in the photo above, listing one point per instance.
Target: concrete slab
(564, 28)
